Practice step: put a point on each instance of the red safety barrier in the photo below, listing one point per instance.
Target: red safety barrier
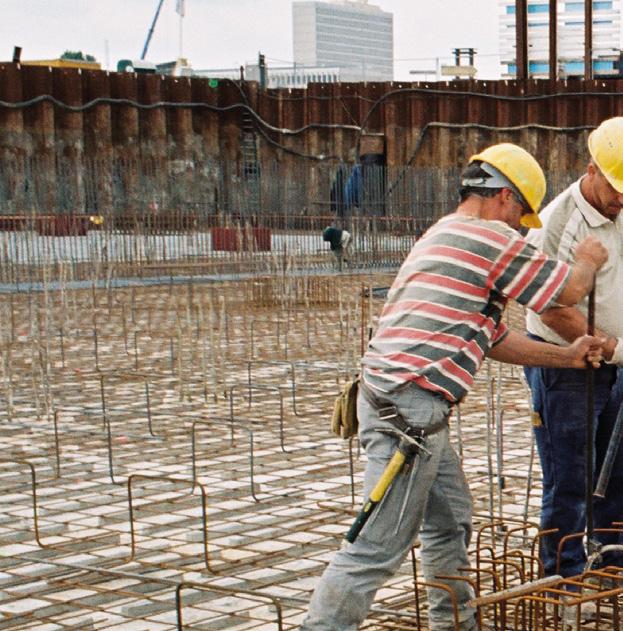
(236, 240)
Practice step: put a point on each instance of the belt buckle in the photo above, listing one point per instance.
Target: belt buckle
(388, 412)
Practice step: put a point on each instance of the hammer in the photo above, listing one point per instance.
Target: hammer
(408, 446)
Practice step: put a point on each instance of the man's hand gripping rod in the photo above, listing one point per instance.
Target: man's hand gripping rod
(408, 447)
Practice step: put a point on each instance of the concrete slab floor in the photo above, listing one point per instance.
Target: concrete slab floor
(172, 441)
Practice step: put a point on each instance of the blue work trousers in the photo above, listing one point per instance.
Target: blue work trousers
(434, 500)
(559, 397)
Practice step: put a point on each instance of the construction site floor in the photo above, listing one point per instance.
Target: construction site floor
(167, 462)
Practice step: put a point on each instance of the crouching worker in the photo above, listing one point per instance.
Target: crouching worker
(339, 240)
(442, 317)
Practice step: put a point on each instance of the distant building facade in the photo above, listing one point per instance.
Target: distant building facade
(570, 27)
(294, 76)
(334, 41)
(351, 35)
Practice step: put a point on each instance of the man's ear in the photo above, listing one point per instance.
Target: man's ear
(505, 194)
(592, 169)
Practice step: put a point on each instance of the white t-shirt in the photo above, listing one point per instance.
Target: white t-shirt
(567, 220)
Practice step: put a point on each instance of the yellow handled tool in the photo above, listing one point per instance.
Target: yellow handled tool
(407, 448)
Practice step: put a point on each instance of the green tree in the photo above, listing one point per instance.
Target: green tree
(77, 55)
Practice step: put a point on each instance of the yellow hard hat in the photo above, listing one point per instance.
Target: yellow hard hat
(605, 144)
(522, 171)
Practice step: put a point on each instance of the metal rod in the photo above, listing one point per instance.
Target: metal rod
(514, 592)
(613, 448)
(590, 421)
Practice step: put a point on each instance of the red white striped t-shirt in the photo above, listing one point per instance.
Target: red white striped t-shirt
(444, 309)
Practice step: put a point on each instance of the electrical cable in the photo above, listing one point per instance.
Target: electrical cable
(175, 105)
(375, 103)
(497, 97)
(274, 143)
(479, 126)
(495, 128)
(264, 126)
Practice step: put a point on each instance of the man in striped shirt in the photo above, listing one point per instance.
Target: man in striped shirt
(442, 316)
(590, 206)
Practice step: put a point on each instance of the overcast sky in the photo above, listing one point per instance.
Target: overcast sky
(228, 33)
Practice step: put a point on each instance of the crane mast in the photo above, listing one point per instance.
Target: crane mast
(151, 29)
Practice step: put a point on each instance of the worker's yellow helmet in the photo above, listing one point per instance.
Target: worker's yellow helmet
(605, 144)
(522, 171)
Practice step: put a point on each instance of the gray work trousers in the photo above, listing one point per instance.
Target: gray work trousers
(438, 507)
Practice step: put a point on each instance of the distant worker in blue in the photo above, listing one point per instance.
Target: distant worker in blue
(352, 190)
(347, 190)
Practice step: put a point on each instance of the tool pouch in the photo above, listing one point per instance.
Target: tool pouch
(344, 422)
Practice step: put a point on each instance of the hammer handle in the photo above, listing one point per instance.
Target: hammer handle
(391, 471)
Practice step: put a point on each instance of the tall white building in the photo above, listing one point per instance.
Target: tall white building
(352, 35)
(570, 27)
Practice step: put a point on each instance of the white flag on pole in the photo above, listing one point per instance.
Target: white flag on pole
(179, 7)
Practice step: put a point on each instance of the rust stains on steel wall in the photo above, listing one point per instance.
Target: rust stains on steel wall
(11, 121)
(39, 117)
(87, 115)
(205, 122)
(97, 125)
(152, 122)
(179, 119)
(124, 116)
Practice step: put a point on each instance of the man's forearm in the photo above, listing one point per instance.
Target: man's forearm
(570, 323)
(521, 350)
(579, 284)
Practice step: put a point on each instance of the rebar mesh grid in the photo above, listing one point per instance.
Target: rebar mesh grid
(167, 463)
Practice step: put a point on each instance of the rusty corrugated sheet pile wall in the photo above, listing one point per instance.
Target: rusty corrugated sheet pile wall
(95, 113)
(126, 158)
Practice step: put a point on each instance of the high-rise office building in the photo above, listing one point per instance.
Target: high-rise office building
(570, 27)
(351, 35)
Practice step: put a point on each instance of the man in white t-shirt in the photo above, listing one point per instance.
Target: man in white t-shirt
(590, 206)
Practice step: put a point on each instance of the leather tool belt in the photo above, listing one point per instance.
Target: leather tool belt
(389, 412)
